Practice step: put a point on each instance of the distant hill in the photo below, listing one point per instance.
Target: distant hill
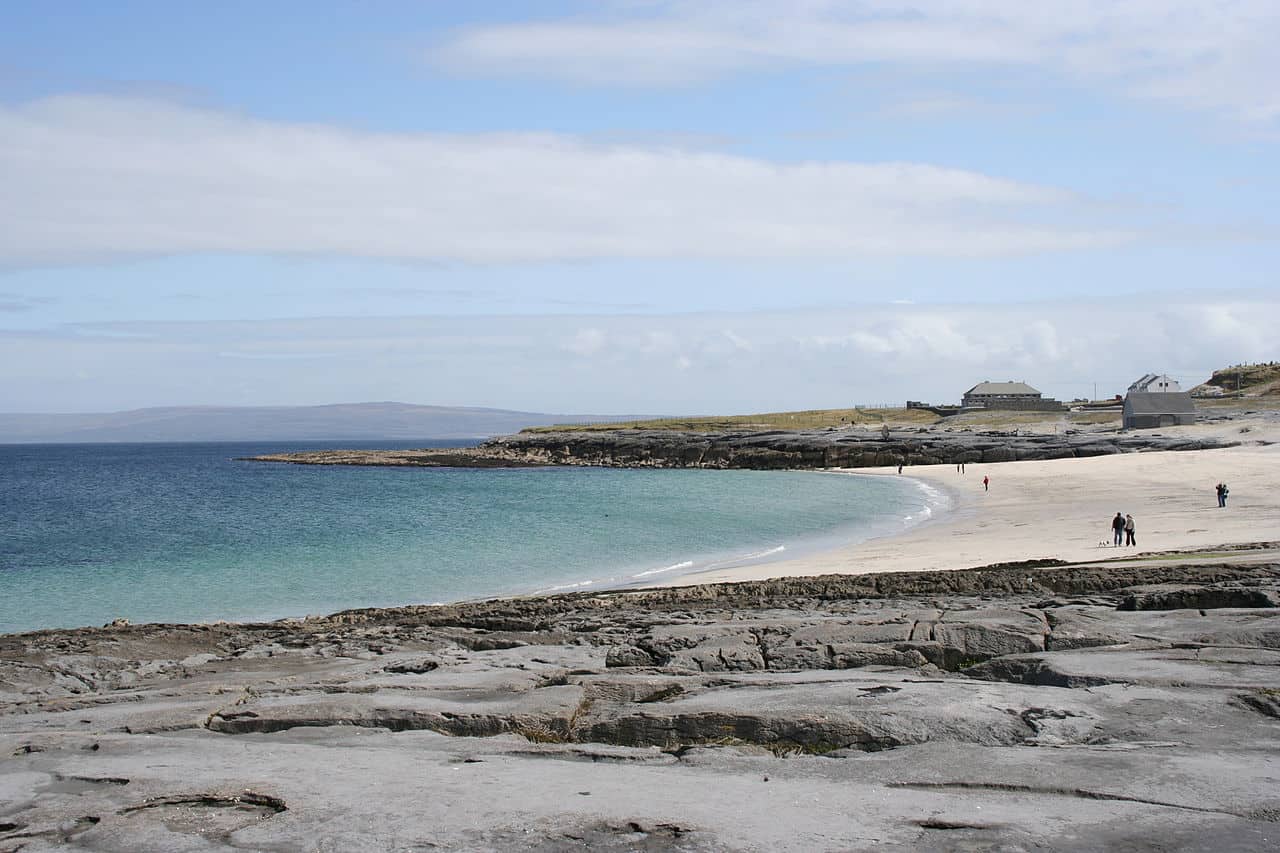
(1245, 380)
(346, 422)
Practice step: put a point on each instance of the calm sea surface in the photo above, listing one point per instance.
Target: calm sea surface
(183, 532)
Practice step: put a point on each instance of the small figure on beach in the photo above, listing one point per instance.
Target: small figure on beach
(1128, 531)
(899, 467)
(1117, 528)
(986, 484)
(959, 467)
(1222, 491)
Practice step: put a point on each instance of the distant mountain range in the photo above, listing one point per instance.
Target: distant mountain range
(341, 422)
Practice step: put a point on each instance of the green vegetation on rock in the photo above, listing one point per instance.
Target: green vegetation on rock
(1245, 380)
(809, 419)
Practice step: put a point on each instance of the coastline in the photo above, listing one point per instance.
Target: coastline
(1128, 704)
(1060, 510)
(1037, 510)
(718, 519)
(1034, 512)
(844, 538)
(1052, 494)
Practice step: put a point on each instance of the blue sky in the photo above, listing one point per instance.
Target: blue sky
(631, 206)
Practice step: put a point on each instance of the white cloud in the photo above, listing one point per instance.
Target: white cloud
(586, 342)
(88, 178)
(1216, 55)
(779, 360)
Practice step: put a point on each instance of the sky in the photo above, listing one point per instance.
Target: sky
(631, 206)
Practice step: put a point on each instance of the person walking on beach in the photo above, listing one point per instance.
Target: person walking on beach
(1117, 528)
(899, 467)
(1222, 491)
(1128, 531)
(986, 484)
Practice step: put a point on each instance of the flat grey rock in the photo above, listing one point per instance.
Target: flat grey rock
(996, 709)
(771, 449)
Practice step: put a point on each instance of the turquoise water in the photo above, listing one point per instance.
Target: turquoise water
(183, 532)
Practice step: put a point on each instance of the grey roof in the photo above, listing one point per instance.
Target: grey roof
(1003, 388)
(1141, 384)
(1153, 403)
(1149, 379)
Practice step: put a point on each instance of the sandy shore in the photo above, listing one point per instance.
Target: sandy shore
(1062, 509)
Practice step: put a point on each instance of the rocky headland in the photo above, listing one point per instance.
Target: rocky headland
(774, 449)
(1126, 705)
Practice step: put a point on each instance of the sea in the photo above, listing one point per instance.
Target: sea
(90, 533)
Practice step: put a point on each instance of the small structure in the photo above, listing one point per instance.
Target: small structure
(1156, 384)
(1147, 410)
(944, 411)
(1015, 396)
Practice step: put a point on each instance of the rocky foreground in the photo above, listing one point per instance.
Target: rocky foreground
(830, 448)
(1130, 706)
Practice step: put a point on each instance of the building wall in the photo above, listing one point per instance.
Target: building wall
(1026, 403)
(1154, 421)
(1147, 410)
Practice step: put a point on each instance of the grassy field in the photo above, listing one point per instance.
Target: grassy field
(1238, 405)
(810, 419)
(825, 418)
(902, 417)
(1094, 418)
(1034, 421)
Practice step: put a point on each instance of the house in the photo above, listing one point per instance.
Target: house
(1147, 410)
(1016, 396)
(1157, 384)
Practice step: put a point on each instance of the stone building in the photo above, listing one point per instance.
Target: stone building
(1015, 396)
(1147, 410)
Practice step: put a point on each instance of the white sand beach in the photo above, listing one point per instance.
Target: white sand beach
(1062, 509)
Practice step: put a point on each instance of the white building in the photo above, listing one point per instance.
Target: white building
(1156, 384)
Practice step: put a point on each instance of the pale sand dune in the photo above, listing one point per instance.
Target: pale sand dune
(1063, 509)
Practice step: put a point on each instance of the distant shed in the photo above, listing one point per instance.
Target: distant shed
(1148, 410)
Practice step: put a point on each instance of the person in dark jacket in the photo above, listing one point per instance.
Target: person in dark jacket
(1117, 528)
(1222, 490)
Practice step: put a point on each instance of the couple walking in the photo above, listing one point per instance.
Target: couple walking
(1122, 527)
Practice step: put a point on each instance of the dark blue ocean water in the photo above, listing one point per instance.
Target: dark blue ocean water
(183, 532)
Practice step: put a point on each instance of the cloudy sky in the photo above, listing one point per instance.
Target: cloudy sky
(633, 206)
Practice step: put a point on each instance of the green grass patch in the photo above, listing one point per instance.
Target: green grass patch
(1092, 418)
(807, 419)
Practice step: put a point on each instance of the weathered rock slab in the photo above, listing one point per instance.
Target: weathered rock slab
(1007, 708)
